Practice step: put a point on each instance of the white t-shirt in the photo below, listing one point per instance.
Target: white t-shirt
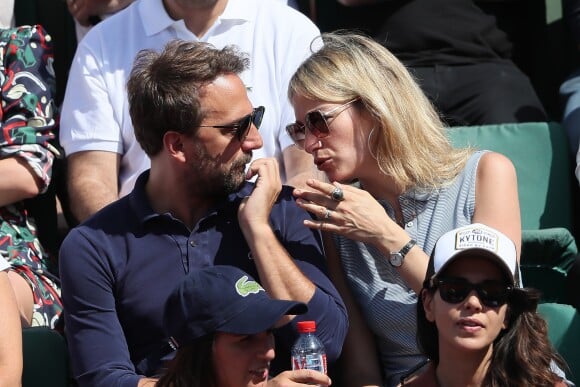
(4, 264)
(6, 13)
(95, 112)
(81, 30)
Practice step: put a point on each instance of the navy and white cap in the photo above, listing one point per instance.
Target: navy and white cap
(222, 299)
(474, 239)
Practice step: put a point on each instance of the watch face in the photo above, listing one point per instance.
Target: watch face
(396, 259)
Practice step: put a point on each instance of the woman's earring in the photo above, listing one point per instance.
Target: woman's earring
(369, 143)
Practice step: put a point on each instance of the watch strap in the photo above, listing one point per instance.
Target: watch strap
(407, 247)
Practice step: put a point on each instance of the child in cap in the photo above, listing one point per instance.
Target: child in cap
(221, 321)
(475, 324)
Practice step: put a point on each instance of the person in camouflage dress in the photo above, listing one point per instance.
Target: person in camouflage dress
(27, 119)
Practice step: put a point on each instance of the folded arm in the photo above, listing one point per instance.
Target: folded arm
(82, 10)
(92, 181)
(27, 122)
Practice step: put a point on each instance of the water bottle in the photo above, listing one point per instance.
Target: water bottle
(308, 351)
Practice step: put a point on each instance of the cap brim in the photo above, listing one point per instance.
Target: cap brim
(483, 253)
(261, 316)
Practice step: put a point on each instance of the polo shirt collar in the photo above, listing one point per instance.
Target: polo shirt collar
(144, 212)
(156, 19)
(139, 200)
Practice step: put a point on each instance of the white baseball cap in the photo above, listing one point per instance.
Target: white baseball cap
(474, 239)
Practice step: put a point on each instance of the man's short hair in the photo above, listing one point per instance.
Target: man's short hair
(164, 88)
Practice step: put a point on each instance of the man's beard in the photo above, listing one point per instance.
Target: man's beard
(235, 177)
(211, 180)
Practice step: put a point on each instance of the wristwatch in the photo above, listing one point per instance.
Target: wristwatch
(396, 258)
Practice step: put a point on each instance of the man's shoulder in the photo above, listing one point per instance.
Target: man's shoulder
(284, 202)
(286, 199)
(113, 218)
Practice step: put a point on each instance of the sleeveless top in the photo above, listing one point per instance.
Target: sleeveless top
(386, 302)
(428, 378)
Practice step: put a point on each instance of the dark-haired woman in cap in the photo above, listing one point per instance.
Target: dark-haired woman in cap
(477, 327)
(221, 320)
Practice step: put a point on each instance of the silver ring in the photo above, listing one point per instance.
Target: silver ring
(337, 194)
(327, 214)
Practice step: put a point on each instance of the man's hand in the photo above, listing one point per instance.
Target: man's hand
(255, 209)
(82, 10)
(299, 378)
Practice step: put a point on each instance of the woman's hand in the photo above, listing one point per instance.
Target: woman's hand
(357, 215)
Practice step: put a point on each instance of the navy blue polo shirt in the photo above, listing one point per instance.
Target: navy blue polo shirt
(118, 268)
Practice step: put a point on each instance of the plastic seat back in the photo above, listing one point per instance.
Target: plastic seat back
(45, 358)
(564, 332)
(539, 152)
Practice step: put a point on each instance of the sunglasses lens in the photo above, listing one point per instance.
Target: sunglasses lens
(244, 127)
(490, 293)
(453, 291)
(246, 123)
(258, 115)
(297, 133)
(317, 124)
(493, 293)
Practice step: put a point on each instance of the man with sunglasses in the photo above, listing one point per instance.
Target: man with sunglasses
(193, 208)
(103, 158)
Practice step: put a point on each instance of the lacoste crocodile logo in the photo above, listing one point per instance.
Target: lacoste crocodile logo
(244, 287)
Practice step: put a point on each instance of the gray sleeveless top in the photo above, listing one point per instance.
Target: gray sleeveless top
(387, 303)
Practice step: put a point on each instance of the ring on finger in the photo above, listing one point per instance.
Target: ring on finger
(337, 194)
(327, 214)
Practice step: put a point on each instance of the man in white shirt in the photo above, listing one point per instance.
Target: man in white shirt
(89, 12)
(104, 159)
(6, 13)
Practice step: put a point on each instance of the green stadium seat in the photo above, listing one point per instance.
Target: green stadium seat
(539, 152)
(45, 358)
(564, 333)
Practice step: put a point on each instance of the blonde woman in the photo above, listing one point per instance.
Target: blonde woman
(364, 119)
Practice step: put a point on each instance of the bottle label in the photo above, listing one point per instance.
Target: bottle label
(310, 362)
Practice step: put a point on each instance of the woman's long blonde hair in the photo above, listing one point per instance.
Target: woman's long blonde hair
(409, 141)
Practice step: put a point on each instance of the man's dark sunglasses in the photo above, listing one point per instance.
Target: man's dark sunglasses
(316, 122)
(242, 126)
(491, 293)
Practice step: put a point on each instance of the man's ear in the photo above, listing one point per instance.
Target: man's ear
(427, 299)
(173, 144)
